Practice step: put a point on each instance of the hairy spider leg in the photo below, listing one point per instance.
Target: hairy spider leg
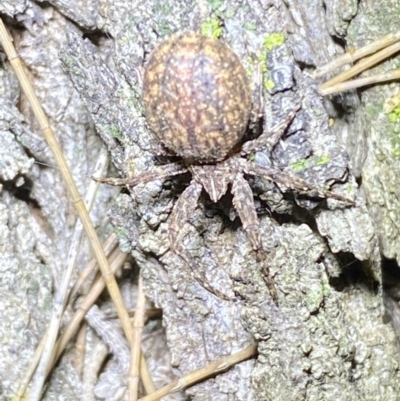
(183, 209)
(291, 181)
(157, 173)
(244, 204)
(268, 139)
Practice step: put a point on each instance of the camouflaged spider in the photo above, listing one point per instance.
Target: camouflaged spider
(197, 101)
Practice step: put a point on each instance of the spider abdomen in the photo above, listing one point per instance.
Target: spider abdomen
(196, 96)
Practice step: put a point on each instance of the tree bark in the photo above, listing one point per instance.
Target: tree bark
(326, 339)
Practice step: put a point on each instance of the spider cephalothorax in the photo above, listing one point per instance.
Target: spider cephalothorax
(197, 102)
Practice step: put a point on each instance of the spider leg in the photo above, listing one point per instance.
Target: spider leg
(157, 173)
(183, 209)
(292, 182)
(270, 138)
(244, 205)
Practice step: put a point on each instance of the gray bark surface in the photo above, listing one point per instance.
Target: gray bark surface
(328, 338)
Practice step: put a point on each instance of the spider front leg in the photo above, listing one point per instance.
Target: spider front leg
(267, 140)
(183, 209)
(157, 173)
(244, 205)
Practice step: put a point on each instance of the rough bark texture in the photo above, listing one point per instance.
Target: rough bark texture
(327, 339)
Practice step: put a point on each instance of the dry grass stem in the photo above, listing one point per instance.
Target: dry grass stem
(109, 278)
(361, 66)
(66, 174)
(357, 83)
(97, 288)
(352, 56)
(138, 323)
(21, 392)
(60, 299)
(80, 348)
(85, 305)
(108, 246)
(196, 376)
(118, 259)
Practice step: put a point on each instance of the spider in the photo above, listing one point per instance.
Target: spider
(197, 102)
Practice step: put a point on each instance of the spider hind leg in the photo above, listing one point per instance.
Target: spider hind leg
(244, 205)
(183, 209)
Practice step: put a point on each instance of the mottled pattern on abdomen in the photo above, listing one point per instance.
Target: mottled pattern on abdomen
(196, 96)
